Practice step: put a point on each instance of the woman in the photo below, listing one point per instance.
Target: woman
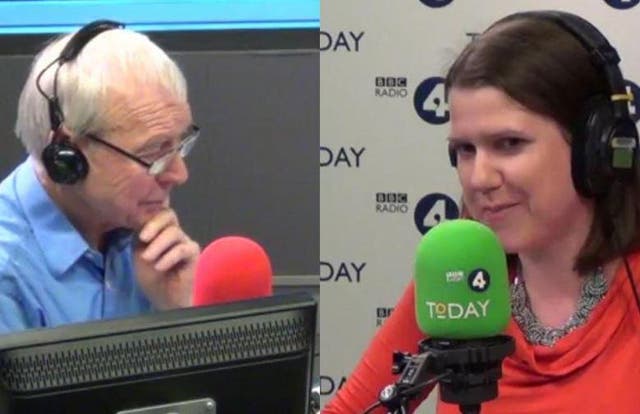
(533, 117)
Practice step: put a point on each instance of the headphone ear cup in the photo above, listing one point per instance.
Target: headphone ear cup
(590, 154)
(64, 162)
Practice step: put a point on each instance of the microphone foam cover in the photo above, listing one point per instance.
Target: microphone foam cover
(232, 268)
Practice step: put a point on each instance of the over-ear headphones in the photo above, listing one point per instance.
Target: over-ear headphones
(63, 160)
(604, 144)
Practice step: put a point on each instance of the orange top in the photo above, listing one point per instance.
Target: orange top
(592, 370)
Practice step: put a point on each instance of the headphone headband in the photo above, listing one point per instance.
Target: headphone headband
(64, 162)
(602, 54)
(84, 36)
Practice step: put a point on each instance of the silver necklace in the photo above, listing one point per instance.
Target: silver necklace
(593, 290)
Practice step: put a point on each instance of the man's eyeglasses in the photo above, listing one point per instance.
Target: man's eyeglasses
(159, 165)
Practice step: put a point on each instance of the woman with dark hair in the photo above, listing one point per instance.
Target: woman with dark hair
(546, 155)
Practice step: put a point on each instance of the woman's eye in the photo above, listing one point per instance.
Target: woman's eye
(464, 149)
(510, 143)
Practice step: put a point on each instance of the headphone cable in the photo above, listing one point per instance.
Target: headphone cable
(618, 246)
(631, 281)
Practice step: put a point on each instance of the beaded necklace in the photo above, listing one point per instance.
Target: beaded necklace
(593, 290)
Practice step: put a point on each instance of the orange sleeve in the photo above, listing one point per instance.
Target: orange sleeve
(399, 333)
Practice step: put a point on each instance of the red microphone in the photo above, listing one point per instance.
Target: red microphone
(232, 268)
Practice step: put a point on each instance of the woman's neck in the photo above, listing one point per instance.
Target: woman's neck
(553, 288)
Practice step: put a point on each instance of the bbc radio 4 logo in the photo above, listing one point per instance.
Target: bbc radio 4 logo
(382, 314)
(622, 4)
(436, 3)
(432, 210)
(392, 203)
(391, 87)
(430, 101)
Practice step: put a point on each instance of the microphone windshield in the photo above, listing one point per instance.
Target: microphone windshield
(462, 290)
(230, 269)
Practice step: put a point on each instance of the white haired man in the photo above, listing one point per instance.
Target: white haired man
(86, 227)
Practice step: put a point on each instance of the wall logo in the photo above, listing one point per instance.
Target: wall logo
(342, 41)
(436, 3)
(341, 157)
(345, 272)
(433, 209)
(429, 101)
(382, 314)
(391, 87)
(634, 105)
(392, 203)
(475, 309)
(329, 385)
(622, 4)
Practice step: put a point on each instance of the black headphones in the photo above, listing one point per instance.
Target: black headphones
(63, 160)
(604, 145)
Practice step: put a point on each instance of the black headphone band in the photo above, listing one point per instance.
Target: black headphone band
(84, 36)
(71, 51)
(602, 54)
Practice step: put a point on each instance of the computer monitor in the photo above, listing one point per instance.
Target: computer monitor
(245, 357)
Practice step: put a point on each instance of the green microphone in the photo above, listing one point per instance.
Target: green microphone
(461, 285)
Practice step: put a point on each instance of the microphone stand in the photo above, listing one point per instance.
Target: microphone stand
(467, 370)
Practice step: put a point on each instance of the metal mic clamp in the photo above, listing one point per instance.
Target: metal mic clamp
(467, 371)
(474, 368)
(414, 376)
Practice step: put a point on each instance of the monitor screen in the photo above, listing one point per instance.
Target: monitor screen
(245, 357)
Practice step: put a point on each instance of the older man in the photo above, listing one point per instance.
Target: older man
(86, 227)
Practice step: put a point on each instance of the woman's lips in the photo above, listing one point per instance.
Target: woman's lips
(496, 212)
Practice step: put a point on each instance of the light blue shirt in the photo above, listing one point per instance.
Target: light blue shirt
(49, 275)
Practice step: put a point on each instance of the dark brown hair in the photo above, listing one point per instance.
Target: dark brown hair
(546, 69)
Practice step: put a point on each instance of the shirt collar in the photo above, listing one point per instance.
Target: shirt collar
(59, 241)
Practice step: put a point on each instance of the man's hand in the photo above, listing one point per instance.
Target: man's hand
(165, 260)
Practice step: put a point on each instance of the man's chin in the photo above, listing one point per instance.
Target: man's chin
(137, 222)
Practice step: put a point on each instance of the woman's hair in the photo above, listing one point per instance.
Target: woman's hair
(85, 85)
(547, 70)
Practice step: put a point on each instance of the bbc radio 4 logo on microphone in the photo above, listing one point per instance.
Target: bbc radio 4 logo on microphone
(622, 4)
(391, 87)
(430, 101)
(478, 280)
